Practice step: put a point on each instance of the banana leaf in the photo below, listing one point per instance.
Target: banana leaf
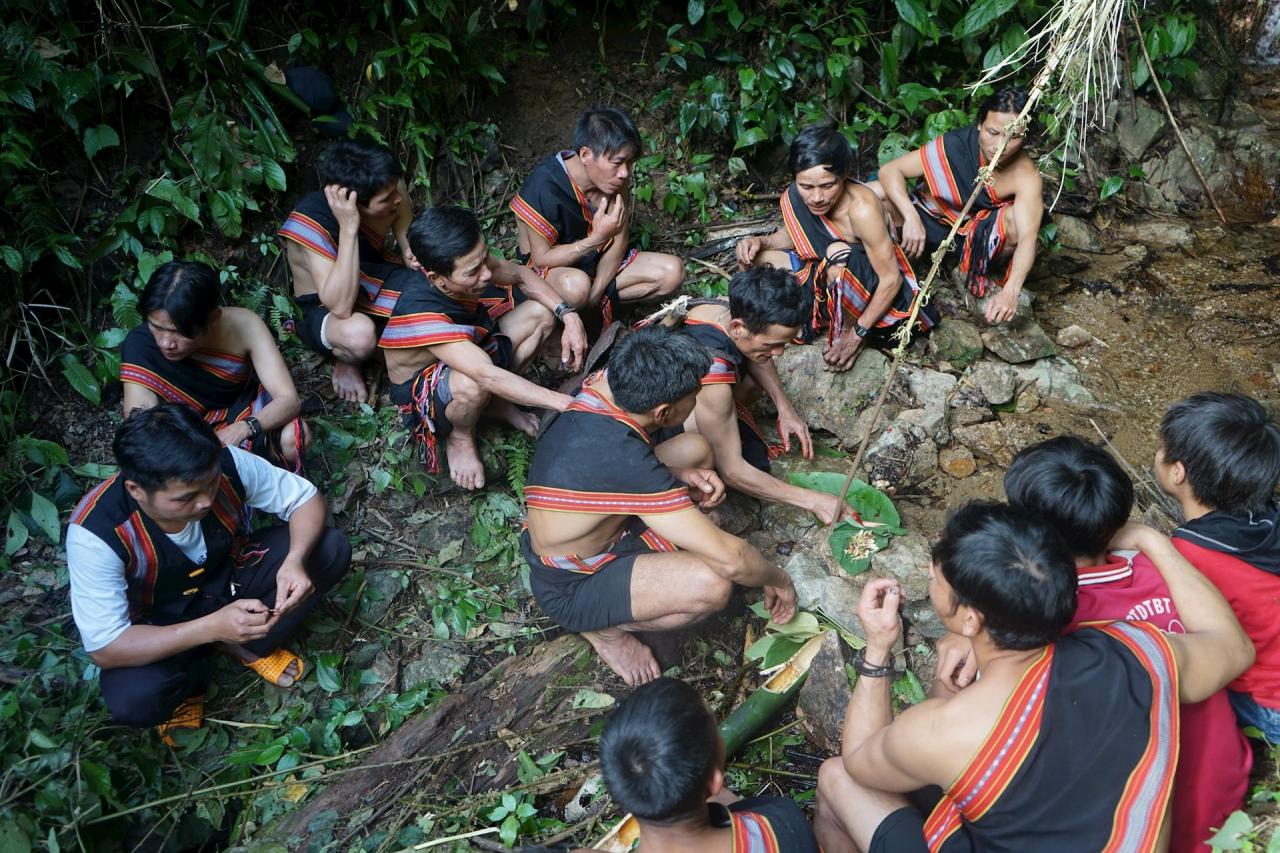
(870, 503)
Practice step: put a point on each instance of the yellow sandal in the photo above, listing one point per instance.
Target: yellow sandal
(272, 666)
(188, 715)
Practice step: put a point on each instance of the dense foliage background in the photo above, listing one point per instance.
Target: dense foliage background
(136, 131)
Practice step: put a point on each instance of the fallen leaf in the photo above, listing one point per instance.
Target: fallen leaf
(47, 49)
(273, 73)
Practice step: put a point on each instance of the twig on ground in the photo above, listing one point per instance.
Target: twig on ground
(715, 268)
(436, 842)
(1159, 499)
(762, 768)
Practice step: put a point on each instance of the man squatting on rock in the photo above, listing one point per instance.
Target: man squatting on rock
(615, 541)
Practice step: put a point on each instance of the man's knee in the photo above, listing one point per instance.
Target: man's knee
(294, 440)
(465, 392)
(353, 339)
(573, 285)
(670, 274)
(701, 454)
(711, 593)
(138, 699)
(830, 774)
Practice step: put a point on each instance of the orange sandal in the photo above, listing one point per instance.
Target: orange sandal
(188, 715)
(272, 666)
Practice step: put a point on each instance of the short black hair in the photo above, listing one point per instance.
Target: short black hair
(440, 235)
(1229, 445)
(188, 291)
(821, 145)
(365, 167)
(762, 296)
(166, 443)
(658, 751)
(1011, 567)
(604, 130)
(1077, 487)
(1010, 99)
(656, 365)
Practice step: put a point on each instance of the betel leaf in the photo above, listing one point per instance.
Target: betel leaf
(15, 535)
(74, 371)
(1110, 187)
(45, 514)
(980, 15)
(844, 532)
(872, 504)
(97, 138)
(1228, 838)
(915, 14)
(273, 174)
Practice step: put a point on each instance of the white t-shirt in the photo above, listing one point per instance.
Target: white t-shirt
(99, 597)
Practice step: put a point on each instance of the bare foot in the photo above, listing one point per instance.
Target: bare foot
(625, 655)
(526, 422)
(465, 467)
(348, 382)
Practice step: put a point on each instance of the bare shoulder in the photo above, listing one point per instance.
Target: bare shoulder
(1026, 174)
(242, 321)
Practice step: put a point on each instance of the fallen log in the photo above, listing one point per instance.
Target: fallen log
(488, 721)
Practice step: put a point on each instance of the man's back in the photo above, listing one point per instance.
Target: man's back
(1081, 756)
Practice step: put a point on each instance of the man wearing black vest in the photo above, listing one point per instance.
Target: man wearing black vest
(165, 567)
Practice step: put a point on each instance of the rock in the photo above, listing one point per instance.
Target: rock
(907, 559)
(1019, 341)
(932, 421)
(902, 453)
(996, 441)
(924, 619)
(1028, 401)
(996, 381)
(969, 415)
(441, 665)
(1275, 369)
(1074, 336)
(1174, 176)
(786, 523)
(957, 461)
(381, 586)
(1135, 134)
(825, 694)
(1157, 232)
(739, 513)
(831, 401)
(1057, 379)
(1075, 233)
(956, 341)
(978, 308)
(383, 680)
(819, 588)
(585, 802)
(442, 529)
(929, 388)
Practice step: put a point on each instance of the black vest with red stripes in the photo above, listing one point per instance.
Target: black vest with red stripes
(164, 585)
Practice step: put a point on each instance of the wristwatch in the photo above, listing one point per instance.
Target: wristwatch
(861, 330)
(254, 425)
(562, 309)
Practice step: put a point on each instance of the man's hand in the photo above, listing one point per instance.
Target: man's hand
(705, 486)
(780, 601)
(233, 435)
(241, 621)
(573, 342)
(406, 255)
(1003, 307)
(1135, 537)
(608, 219)
(912, 233)
(840, 356)
(292, 585)
(790, 423)
(957, 665)
(342, 202)
(829, 509)
(878, 612)
(747, 249)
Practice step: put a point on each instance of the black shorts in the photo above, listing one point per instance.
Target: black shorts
(313, 317)
(588, 601)
(903, 830)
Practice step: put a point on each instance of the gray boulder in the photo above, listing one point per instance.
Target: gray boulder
(825, 694)
(1019, 341)
(902, 453)
(1135, 133)
(831, 401)
(1075, 233)
(956, 341)
(907, 559)
(997, 381)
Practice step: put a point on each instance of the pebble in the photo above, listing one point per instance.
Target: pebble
(1074, 336)
(957, 461)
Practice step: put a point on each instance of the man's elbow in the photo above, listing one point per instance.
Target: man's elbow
(731, 561)
(105, 658)
(1243, 655)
